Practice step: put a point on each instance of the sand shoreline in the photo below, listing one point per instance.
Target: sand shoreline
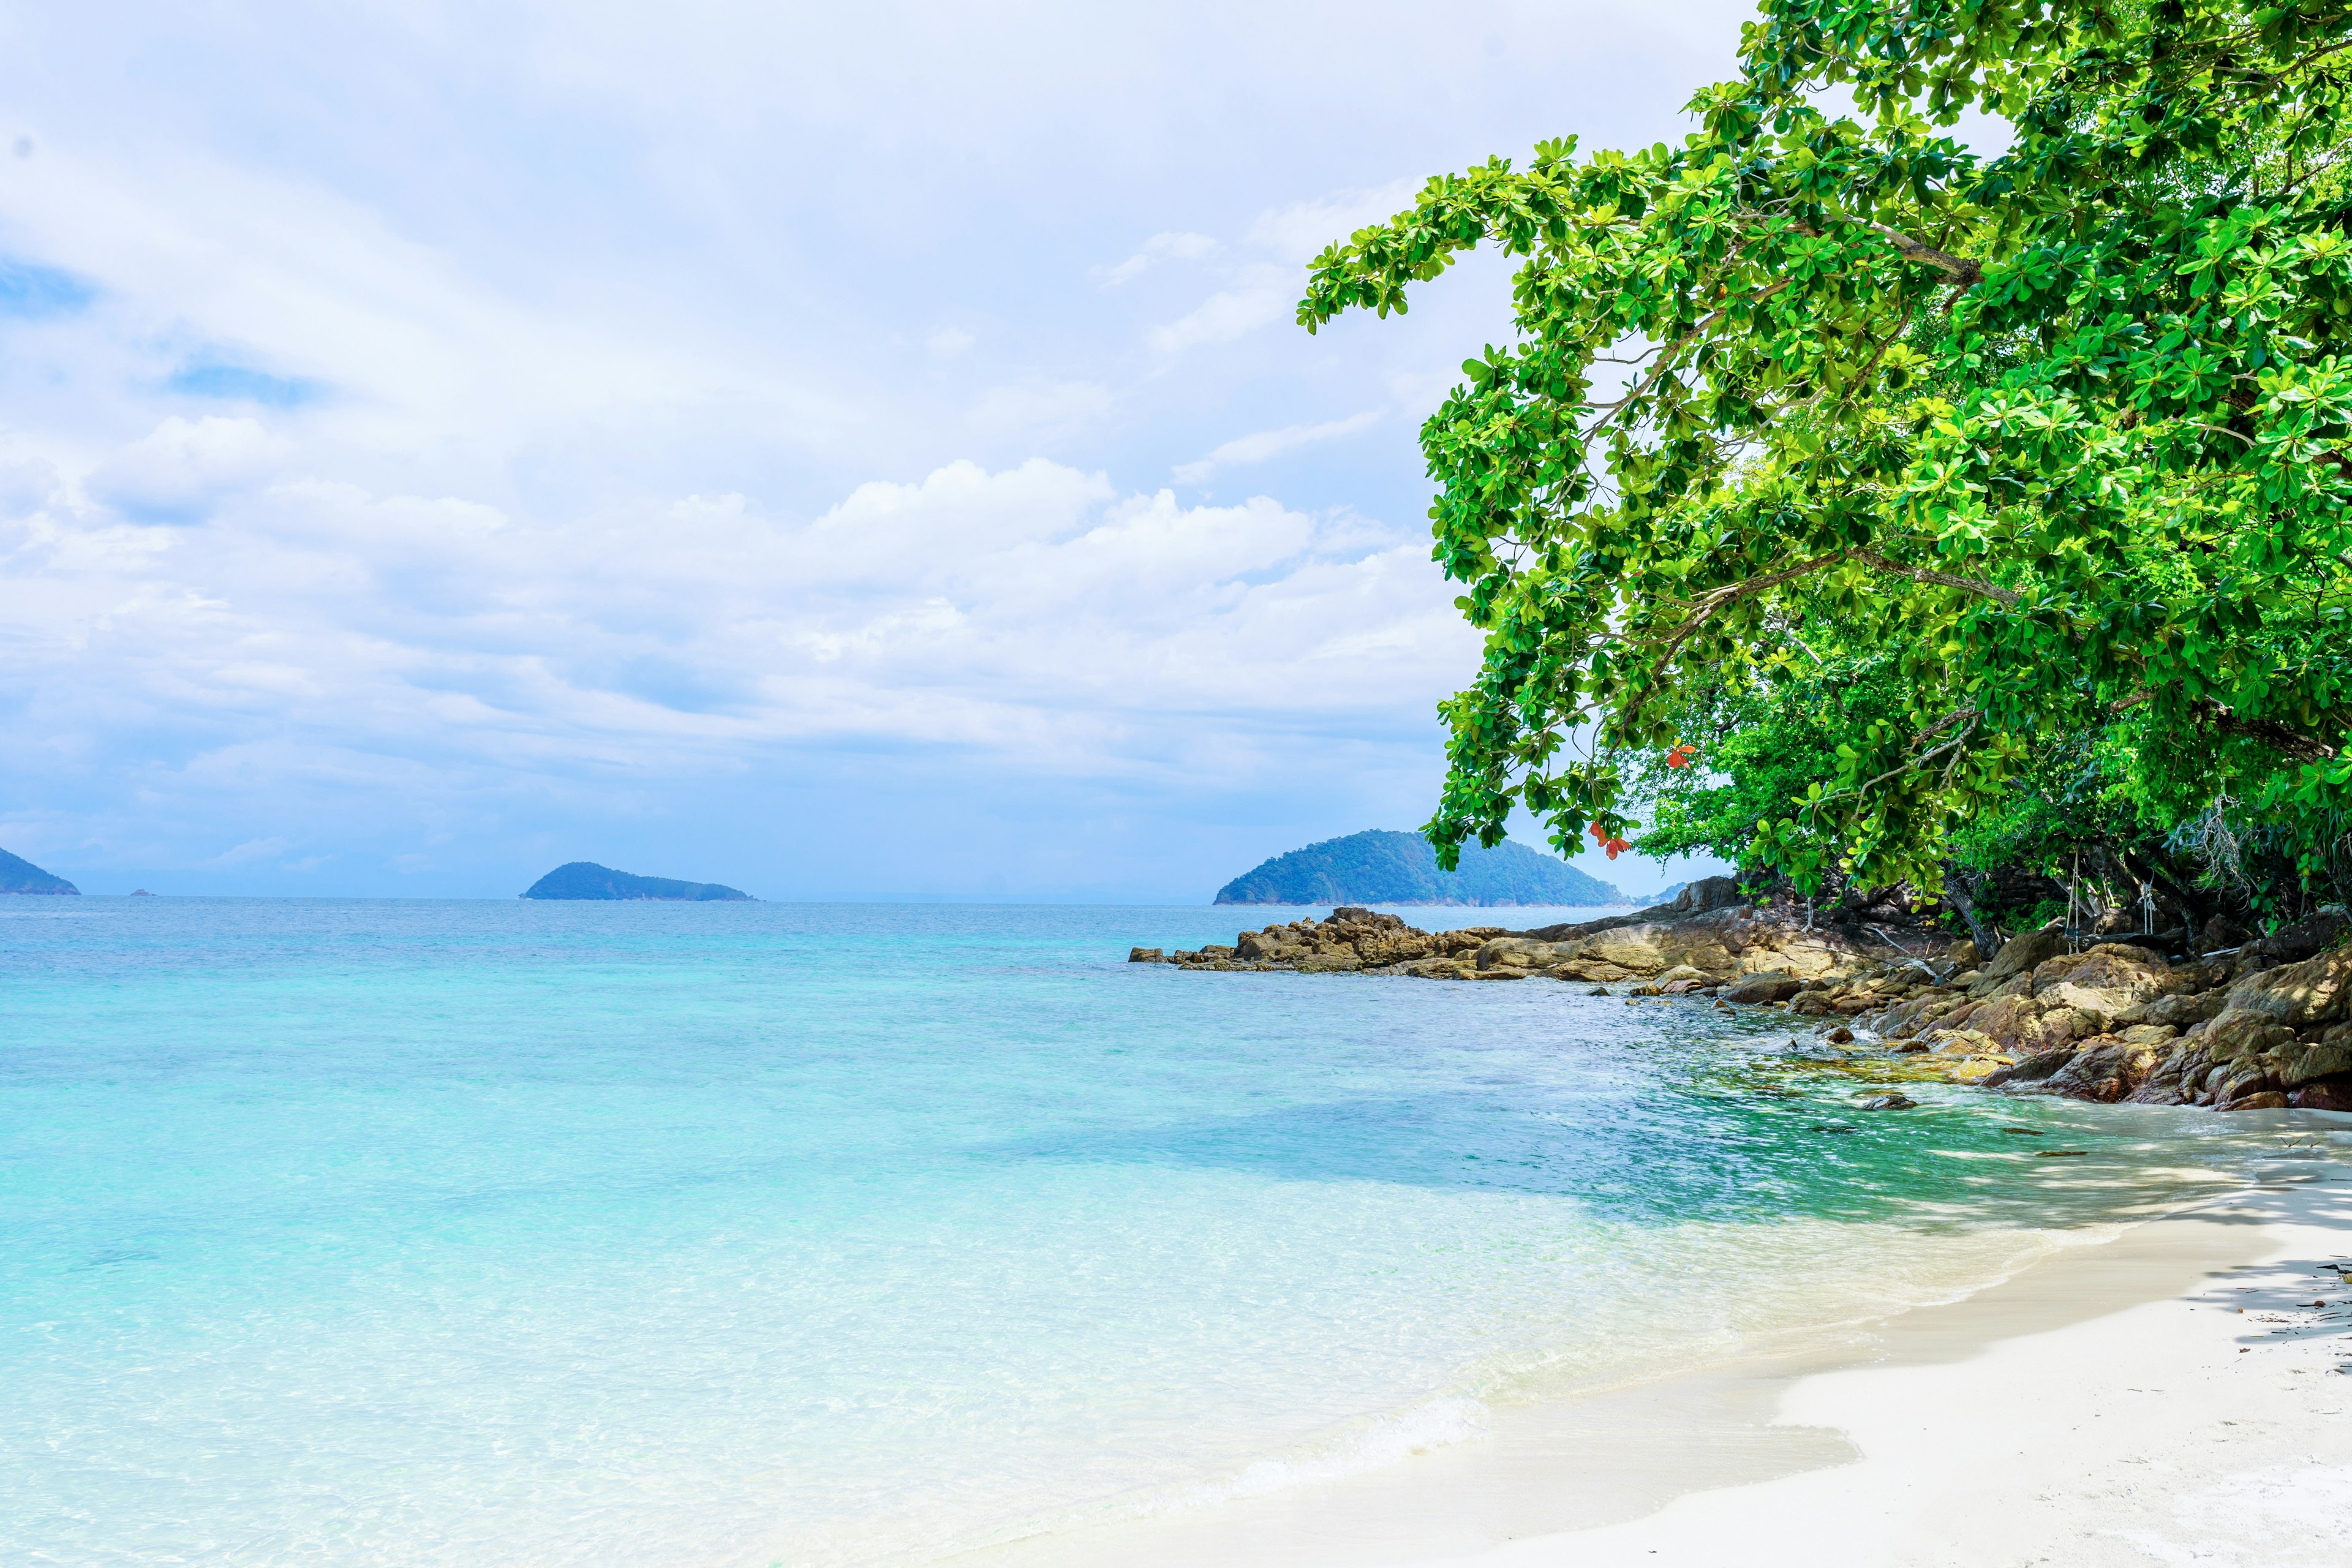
(2093, 1408)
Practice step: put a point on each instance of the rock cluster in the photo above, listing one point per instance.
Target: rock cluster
(1706, 938)
(2268, 1024)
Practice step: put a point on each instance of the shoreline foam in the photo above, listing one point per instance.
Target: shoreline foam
(2026, 1421)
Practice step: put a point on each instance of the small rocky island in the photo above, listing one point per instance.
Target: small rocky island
(2260, 1025)
(1383, 868)
(21, 876)
(586, 879)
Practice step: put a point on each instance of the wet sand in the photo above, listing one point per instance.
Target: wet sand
(2169, 1395)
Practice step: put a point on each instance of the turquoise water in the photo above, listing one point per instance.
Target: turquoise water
(473, 1233)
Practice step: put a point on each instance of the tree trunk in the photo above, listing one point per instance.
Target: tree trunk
(1981, 931)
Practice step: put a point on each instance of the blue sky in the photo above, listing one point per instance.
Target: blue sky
(842, 455)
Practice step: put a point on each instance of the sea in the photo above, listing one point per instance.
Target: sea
(719, 1236)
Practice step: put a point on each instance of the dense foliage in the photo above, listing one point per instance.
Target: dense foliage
(1379, 867)
(2047, 447)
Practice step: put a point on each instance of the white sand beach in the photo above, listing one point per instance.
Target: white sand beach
(2181, 1394)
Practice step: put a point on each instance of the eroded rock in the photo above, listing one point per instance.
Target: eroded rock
(2330, 1094)
(2104, 981)
(2317, 990)
(1770, 985)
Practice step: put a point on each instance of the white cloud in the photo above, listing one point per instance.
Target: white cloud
(1180, 247)
(1261, 293)
(1299, 231)
(1261, 445)
(252, 849)
(182, 466)
(1260, 296)
(1043, 410)
(1030, 611)
(608, 336)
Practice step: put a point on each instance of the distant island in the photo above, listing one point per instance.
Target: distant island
(587, 880)
(23, 877)
(1382, 868)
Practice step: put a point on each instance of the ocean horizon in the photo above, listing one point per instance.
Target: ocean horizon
(468, 1231)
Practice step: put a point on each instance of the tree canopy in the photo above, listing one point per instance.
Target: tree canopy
(2052, 437)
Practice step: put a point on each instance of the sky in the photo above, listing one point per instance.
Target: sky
(842, 452)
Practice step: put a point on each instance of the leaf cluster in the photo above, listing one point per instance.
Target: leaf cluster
(2056, 442)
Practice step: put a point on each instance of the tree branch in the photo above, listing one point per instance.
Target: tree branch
(1967, 274)
(2005, 597)
(1707, 604)
(2280, 738)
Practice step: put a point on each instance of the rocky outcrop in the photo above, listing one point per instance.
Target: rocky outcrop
(1699, 942)
(2315, 991)
(2265, 1026)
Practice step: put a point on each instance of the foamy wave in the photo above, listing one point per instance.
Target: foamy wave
(1368, 1445)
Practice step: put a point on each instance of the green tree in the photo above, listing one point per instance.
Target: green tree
(2060, 435)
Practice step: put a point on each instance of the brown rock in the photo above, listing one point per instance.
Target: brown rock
(2012, 1022)
(1430, 968)
(2238, 1033)
(2059, 1024)
(2289, 944)
(1768, 986)
(1913, 1017)
(1706, 893)
(2106, 1069)
(2238, 1079)
(2266, 1099)
(2180, 1010)
(2106, 980)
(2328, 1094)
(2317, 990)
(2032, 1069)
(1810, 1004)
(2178, 1075)
(2025, 952)
(1394, 946)
(1327, 961)
(1146, 956)
(1998, 985)
(2222, 931)
(2294, 1066)
(1891, 1101)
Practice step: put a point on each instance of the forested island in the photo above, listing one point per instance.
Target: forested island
(586, 879)
(21, 876)
(1382, 868)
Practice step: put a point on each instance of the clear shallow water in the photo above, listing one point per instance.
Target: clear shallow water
(378, 1233)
